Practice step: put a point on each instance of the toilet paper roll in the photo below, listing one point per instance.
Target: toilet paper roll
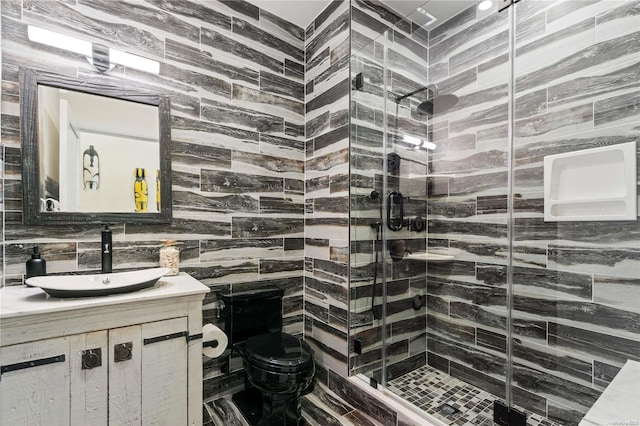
(214, 341)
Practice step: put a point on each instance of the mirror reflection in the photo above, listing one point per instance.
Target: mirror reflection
(97, 154)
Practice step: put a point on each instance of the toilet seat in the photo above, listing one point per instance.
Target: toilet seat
(278, 353)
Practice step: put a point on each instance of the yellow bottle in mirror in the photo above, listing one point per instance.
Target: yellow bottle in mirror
(140, 191)
(158, 190)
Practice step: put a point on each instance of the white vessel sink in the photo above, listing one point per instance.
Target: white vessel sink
(97, 284)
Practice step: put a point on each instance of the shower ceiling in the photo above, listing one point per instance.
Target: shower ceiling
(302, 12)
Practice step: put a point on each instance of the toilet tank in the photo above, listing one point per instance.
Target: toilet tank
(251, 313)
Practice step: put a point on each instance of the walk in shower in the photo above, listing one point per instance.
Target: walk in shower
(479, 271)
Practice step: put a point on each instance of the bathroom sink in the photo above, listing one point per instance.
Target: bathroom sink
(97, 284)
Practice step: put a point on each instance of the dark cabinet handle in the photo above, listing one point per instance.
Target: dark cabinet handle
(29, 364)
(122, 352)
(166, 337)
(91, 358)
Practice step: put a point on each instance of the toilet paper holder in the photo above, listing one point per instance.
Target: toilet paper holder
(210, 344)
(214, 341)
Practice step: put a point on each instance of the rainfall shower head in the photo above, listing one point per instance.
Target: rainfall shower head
(434, 104)
(437, 105)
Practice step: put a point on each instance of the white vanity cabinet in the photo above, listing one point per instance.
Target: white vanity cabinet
(131, 359)
(37, 394)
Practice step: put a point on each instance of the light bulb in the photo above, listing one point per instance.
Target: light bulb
(485, 5)
(412, 140)
(430, 146)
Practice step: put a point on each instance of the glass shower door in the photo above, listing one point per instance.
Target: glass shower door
(514, 291)
(575, 263)
(430, 138)
(366, 323)
(467, 186)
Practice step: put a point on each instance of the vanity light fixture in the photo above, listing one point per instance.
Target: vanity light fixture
(101, 57)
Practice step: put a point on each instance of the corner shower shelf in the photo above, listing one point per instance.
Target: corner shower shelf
(427, 177)
(429, 257)
(433, 176)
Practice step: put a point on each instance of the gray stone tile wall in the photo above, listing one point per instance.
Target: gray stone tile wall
(573, 91)
(235, 76)
(326, 189)
(265, 178)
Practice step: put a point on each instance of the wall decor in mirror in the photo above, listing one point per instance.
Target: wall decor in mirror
(93, 152)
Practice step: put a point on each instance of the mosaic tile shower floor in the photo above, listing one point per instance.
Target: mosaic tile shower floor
(451, 400)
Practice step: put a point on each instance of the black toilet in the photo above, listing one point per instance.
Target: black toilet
(279, 365)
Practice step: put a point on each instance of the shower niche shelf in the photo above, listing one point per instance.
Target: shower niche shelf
(429, 257)
(591, 184)
(427, 177)
(433, 176)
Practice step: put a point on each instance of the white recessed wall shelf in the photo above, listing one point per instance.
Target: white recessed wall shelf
(591, 184)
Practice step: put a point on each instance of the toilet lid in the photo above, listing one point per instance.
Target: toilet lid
(279, 352)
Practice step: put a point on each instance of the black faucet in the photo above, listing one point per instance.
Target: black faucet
(106, 249)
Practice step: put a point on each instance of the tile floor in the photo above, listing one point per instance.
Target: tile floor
(451, 400)
(319, 408)
(444, 397)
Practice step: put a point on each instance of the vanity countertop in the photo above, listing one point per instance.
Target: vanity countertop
(20, 301)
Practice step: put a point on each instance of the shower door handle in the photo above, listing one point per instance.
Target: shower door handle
(395, 216)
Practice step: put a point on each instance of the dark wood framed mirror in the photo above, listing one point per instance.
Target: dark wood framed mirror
(93, 152)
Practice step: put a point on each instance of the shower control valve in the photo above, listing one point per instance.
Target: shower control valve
(418, 224)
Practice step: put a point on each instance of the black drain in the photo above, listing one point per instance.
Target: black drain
(448, 410)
